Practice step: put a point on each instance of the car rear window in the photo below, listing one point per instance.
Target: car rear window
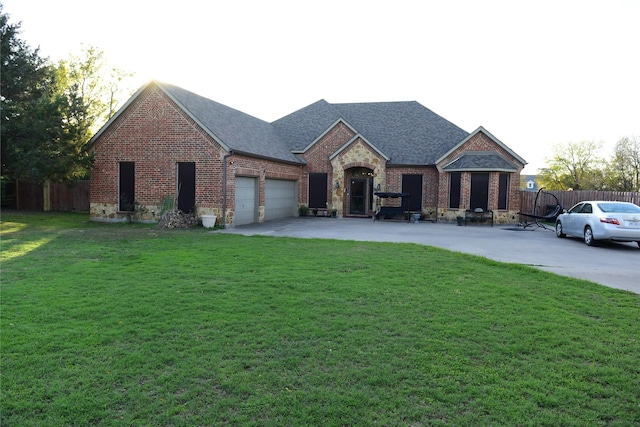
(619, 207)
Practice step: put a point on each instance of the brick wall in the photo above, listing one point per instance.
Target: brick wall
(359, 154)
(240, 165)
(429, 186)
(155, 134)
(480, 142)
(317, 158)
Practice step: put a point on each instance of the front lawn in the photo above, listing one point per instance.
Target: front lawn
(125, 324)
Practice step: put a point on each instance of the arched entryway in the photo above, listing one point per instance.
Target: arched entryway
(359, 196)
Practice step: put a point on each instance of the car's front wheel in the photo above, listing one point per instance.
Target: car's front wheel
(588, 236)
(559, 232)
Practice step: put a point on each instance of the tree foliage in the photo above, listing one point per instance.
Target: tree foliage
(31, 119)
(49, 112)
(88, 80)
(623, 171)
(42, 129)
(577, 166)
(573, 166)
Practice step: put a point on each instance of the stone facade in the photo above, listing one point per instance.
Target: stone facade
(356, 155)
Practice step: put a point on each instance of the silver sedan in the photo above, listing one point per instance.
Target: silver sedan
(595, 220)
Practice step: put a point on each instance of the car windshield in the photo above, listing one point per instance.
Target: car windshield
(619, 207)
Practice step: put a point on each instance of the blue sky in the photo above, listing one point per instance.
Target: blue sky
(533, 73)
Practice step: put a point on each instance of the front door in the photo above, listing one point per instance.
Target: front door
(358, 196)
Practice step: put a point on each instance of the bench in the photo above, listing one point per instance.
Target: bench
(389, 212)
(478, 216)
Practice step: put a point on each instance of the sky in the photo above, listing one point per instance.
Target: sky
(535, 74)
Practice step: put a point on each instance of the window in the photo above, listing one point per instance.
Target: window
(577, 208)
(618, 207)
(454, 189)
(126, 186)
(412, 184)
(503, 191)
(317, 190)
(479, 191)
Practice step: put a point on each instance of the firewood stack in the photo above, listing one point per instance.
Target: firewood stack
(177, 219)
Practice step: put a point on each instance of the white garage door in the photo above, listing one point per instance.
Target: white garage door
(246, 201)
(279, 199)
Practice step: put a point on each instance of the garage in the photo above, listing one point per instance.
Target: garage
(280, 199)
(246, 210)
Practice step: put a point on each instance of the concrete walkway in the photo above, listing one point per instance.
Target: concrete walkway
(616, 265)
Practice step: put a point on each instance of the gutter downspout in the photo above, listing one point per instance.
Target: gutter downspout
(437, 200)
(224, 188)
(438, 195)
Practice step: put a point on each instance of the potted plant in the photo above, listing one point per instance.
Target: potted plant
(334, 212)
(302, 210)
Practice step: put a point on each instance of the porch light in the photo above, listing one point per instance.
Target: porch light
(337, 184)
(378, 187)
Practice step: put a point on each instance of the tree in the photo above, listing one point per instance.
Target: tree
(90, 81)
(40, 142)
(623, 171)
(50, 112)
(574, 166)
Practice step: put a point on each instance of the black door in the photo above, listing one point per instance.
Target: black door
(127, 183)
(318, 190)
(186, 187)
(412, 184)
(358, 197)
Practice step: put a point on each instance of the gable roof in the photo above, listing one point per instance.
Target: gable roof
(487, 133)
(406, 132)
(239, 131)
(232, 129)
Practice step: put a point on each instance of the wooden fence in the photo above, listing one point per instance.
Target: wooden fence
(59, 197)
(569, 198)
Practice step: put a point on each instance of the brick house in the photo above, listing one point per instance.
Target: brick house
(169, 142)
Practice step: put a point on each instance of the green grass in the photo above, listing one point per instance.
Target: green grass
(125, 324)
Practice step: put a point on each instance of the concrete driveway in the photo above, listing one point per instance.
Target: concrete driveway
(616, 265)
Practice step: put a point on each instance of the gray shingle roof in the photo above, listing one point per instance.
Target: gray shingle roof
(237, 130)
(481, 161)
(407, 132)
(302, 127)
